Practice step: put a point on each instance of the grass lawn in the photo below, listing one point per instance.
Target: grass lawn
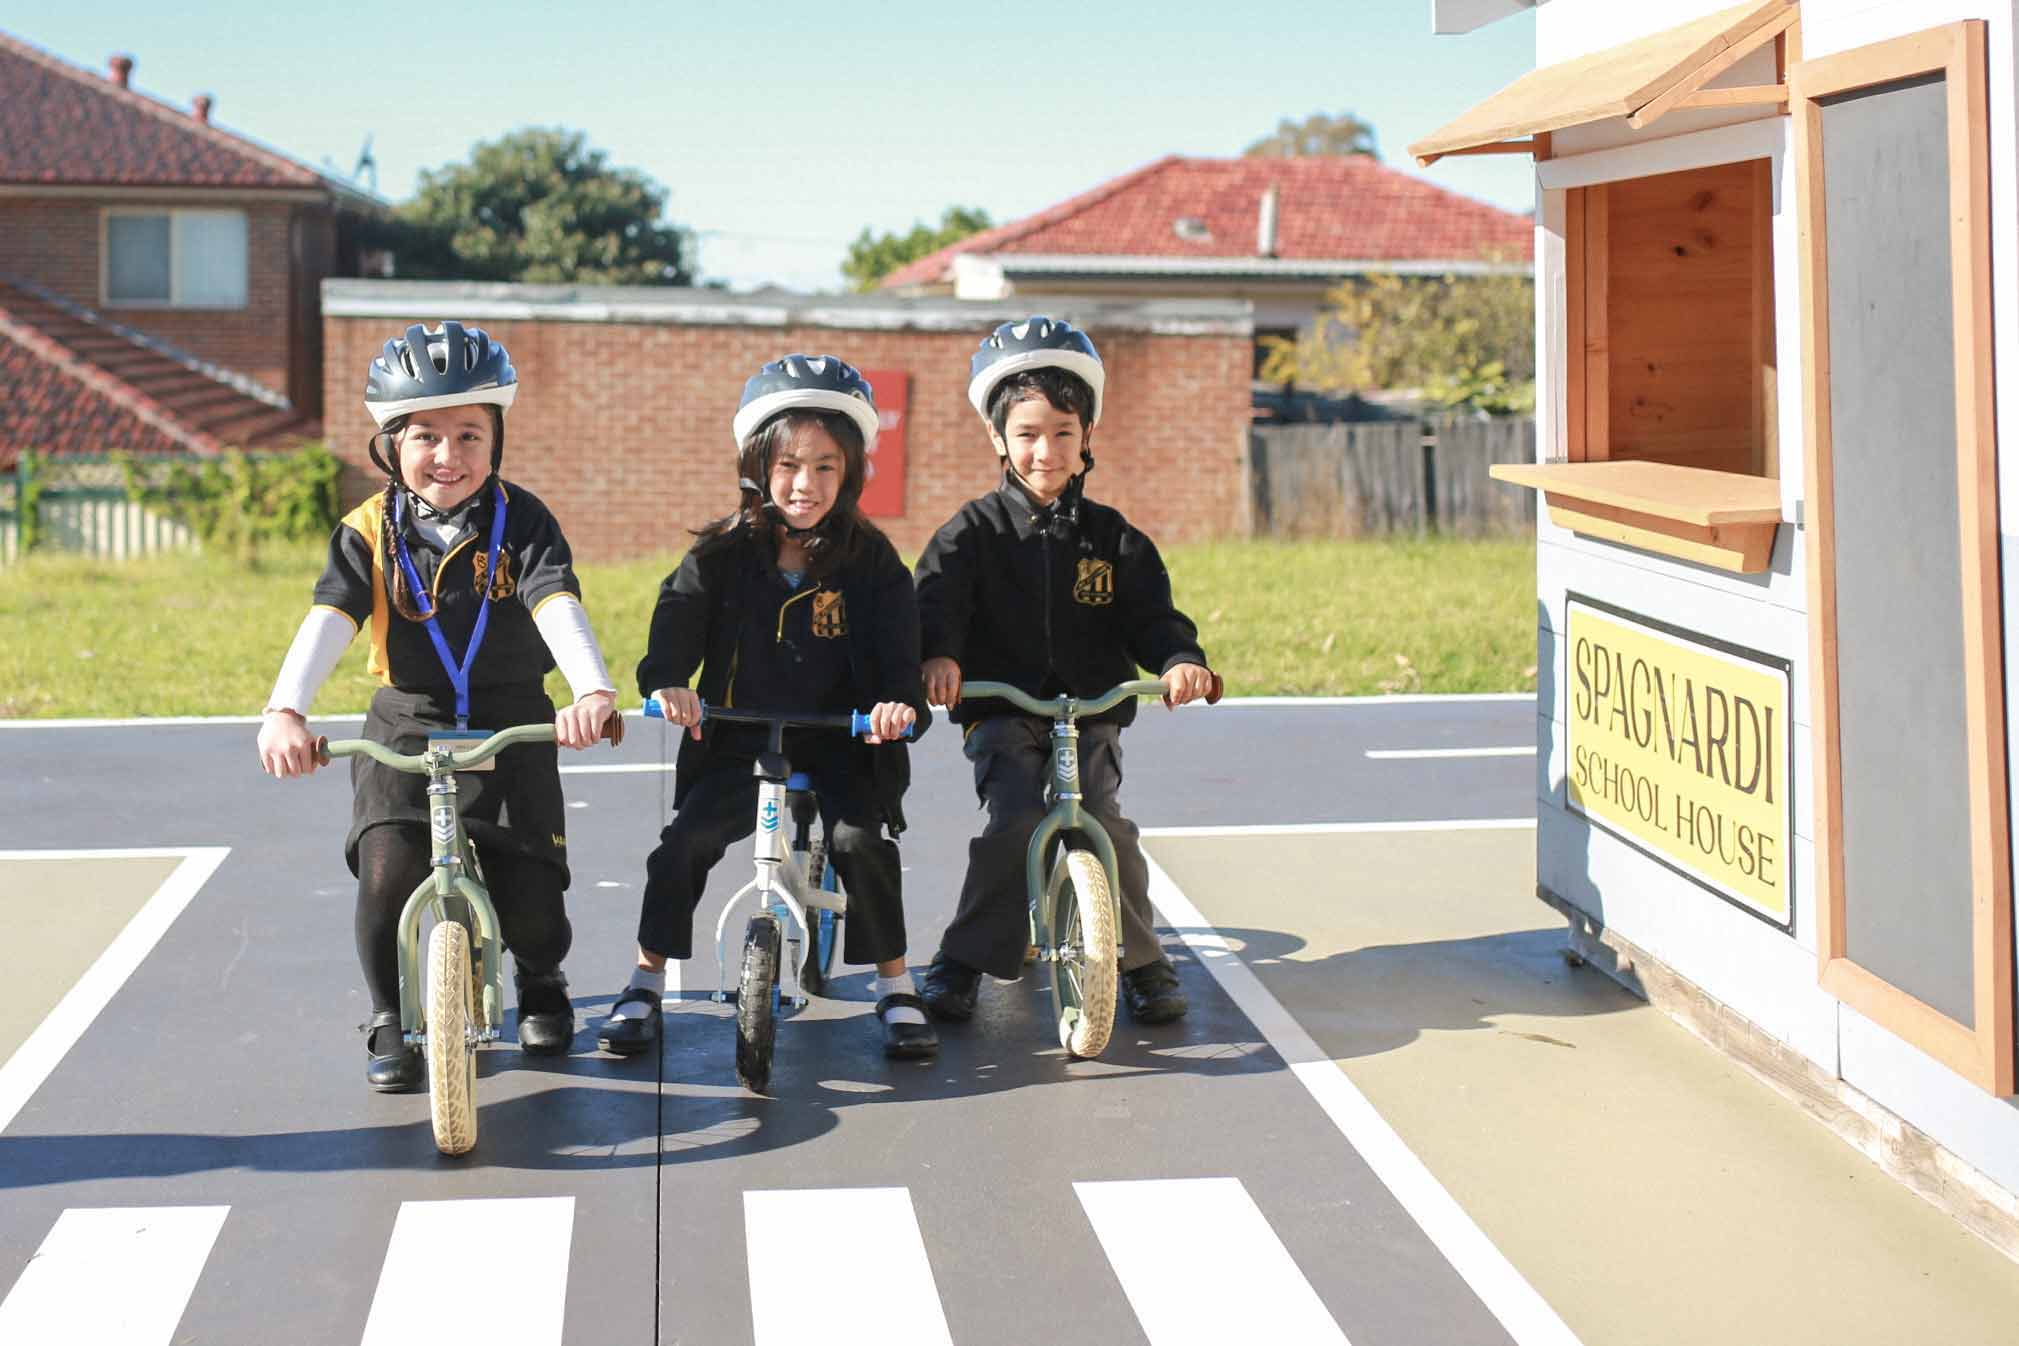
(187, 634)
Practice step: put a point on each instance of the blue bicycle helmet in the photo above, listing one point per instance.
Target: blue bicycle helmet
(451, 366)
(1036, 342)
(811, 382)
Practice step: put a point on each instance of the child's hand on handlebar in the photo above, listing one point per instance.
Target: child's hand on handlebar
(1187, 682)
(889, 720)
(581, 724)
(942, 681)
(286, 748)
(681, 705)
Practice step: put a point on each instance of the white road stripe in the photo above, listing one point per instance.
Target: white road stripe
(59, 1030)
(1325, 829)
(440, 1279)
(147, 722)
(1225, 1242)
(1415, 754)
(122, 1275)
(1504, 1291)
(617, 769)
(813, 1252)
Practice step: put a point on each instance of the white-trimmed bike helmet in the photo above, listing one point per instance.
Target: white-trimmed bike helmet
(807, 382)
(1036, 342)
(450, 366)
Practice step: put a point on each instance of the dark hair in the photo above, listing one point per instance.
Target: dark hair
(1065, 390)
(389, 463)
(840, 536)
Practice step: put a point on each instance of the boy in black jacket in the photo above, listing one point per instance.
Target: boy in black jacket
(1034, 585)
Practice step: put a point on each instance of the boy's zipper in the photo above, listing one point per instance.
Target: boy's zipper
(1045, 544)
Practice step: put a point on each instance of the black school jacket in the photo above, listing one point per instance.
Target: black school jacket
(1050, 598)
(697, 624)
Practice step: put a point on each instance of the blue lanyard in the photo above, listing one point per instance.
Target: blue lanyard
(459, 674)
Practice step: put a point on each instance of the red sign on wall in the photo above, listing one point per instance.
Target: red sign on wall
(883, 492)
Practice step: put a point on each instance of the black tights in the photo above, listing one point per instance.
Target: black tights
(392, 861)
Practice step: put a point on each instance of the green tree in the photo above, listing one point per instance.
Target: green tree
(873, 256)
(540, 205)
(1316, 134)
(1464, 340)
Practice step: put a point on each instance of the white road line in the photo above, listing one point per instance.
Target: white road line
(806, 1293)
(151, 722)
(59, 1030)
(1413, 754)
(1504, 1291)
(616, 769)
(1225, 1241)
(1333, 829)
(121, 1275)
(443, 1254)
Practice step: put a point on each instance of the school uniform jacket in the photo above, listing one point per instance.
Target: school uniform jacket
(699, 621)
(1049, 598)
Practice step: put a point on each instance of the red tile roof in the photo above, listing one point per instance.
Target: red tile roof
(1329, 208)
(72, 127)
(74, 385)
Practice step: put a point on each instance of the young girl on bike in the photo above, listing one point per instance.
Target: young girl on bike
(793, 601)
(468, 590)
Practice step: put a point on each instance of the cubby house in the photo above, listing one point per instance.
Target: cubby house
(1773, 244)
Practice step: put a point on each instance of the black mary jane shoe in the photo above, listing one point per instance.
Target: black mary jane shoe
(546, 1015)
(906, 1041)
(399, 1071)
(628, 1037)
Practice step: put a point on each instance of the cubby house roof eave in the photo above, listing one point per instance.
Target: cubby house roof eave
(1616, 82)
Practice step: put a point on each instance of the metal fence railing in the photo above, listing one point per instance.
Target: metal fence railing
(1381, 478)
(82, 506)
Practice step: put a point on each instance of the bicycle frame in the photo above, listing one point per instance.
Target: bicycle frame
(778, 887)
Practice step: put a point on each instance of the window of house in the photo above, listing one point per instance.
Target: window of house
(175, 258)
(1670, 308)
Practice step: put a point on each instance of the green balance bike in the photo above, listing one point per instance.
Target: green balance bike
(1069, 872)
(456, 1002)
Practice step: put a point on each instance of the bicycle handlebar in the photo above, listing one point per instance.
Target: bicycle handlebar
(327, 748)
(855, 721)
(1073, 707)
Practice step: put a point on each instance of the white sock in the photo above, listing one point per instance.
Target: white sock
(899, 985)
(655, 982)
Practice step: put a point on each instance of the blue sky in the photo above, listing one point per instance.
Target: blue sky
(783, 130)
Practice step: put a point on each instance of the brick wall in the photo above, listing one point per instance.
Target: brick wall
(624, 427)
(55, 244)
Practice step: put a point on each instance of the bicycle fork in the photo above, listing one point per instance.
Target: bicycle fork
(1065, 816)
(449, 894)
(768, 890)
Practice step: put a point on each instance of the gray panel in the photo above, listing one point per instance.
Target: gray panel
(1901, 725)
(136, 257)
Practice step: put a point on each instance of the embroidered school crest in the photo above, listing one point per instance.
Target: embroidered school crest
(504, 586)
(830, 614)
(1095, 585)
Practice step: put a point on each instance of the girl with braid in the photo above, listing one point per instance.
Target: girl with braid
(467, 589)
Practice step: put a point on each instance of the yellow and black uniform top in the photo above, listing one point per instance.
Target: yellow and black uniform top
(534, 567)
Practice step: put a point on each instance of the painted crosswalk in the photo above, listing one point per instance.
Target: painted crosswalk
(436, 1251)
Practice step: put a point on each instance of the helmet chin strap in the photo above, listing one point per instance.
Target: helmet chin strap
(771, 508)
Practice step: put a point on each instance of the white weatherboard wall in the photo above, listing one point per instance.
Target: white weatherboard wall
(1763, 974)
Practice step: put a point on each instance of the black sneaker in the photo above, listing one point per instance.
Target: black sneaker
(949, 988)
(546, 1014)
(1153, 994)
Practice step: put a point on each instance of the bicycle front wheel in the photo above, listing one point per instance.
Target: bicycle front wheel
(1084, 975)
(452, 1055)
(757, 1003)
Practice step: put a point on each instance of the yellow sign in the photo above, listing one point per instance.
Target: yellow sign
(1681, 746)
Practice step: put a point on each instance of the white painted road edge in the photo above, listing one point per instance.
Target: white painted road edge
(1335, 829)
(60, 1029)
(1419, 754)
(1504, 1291)
(1407, 699)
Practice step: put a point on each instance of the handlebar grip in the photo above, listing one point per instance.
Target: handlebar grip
(858, 723)
(613, 728)
(1218, 689)
(322, 757)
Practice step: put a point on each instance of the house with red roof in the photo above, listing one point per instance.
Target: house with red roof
(160, 275)
(1278, 232)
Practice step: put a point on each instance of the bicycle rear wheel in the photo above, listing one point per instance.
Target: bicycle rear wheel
(823, 927)
(757, 1003)
(452, 1055)
(1084, 975)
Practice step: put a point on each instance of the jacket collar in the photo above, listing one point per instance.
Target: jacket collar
(1028, 518)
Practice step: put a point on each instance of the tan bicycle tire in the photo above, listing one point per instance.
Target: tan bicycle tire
(452, 1056)
(1085, 975)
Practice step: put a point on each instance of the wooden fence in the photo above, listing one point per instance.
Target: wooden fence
(1379, 478)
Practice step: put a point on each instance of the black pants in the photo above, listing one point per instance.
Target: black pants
(721, 808)
(392, 859)
(1012, 766)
